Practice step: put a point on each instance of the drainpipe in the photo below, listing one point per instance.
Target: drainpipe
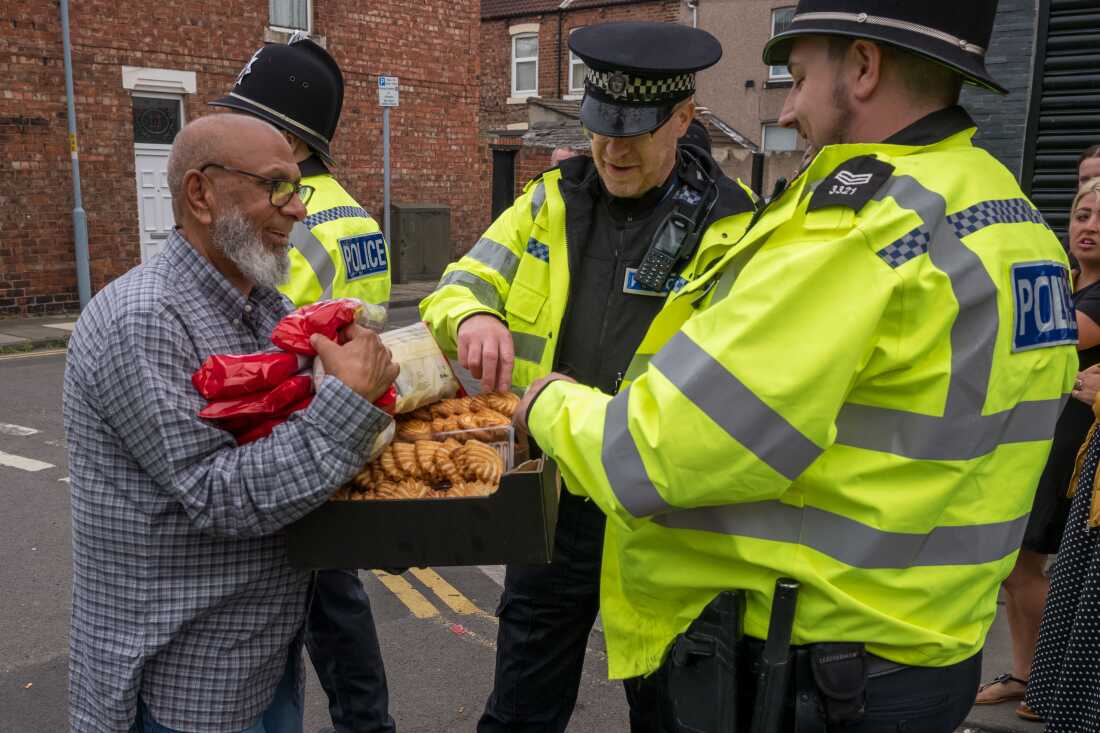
(80, 221)
(694, 5)
(561, 56)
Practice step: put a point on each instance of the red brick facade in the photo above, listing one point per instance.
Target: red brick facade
(430, 45)
(498, 111)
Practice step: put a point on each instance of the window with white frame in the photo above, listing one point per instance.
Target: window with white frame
(525, 65)
(291, 15)
(781, 21)
(776, 139)
(577, 71)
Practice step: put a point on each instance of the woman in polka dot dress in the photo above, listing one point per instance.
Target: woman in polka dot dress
(1064, 684)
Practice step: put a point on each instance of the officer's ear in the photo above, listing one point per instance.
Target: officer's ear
(863, 68)
(682, 117)
(198, 197)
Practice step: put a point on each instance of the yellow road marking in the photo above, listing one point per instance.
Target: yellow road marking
(446, 592)
(413, 599)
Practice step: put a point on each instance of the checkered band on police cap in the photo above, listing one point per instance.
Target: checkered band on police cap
(621, 87)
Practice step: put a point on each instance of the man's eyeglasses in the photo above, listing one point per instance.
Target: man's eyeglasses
(280, 191)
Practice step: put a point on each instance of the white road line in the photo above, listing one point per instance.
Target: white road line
(64, 480)
(31, 354)
(19, 430)
(25, 464)
(66, 326)
(495, 573)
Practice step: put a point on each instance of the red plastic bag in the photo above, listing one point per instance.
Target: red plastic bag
(264, 428)
(272, 403)
(326, 317)
(223, 376)
(388, 400)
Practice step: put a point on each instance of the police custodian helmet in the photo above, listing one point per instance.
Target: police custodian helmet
(638, 72)
(951, 32)
(297, 87)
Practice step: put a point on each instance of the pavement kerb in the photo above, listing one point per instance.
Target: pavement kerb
(34, 345)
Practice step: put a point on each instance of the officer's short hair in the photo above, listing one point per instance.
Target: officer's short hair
(923, 78)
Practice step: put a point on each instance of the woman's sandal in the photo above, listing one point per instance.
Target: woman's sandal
(1004, 681)
(1025, 712)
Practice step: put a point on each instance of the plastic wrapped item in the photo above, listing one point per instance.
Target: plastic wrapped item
(272, 403)
(263, 428)
(223, 376)
(326, 317)
(426, 375)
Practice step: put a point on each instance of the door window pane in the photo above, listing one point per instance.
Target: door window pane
(156, 120)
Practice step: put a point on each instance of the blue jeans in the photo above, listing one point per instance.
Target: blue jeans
(283, 715)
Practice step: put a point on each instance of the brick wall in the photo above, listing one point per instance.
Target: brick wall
(1001, 120)
(431, 45)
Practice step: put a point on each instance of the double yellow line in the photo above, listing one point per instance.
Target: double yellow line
(418, 603)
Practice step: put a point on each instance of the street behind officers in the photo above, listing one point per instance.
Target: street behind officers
(863, 401)
(186, 613)
(569, 278)
(337, 251)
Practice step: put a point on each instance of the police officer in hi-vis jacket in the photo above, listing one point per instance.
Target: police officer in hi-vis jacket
(860, 395)
(337, 251)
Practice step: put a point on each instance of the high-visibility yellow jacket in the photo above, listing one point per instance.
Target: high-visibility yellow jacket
(860, 395)
(338, 249)
(519, 272)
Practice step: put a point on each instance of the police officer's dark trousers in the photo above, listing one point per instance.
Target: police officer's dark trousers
(546, 613)
(894, 698)
(343, 645)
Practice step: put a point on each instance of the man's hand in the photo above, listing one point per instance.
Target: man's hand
(363, 363)
(485, 348)
(1087, 385)
(519, 417)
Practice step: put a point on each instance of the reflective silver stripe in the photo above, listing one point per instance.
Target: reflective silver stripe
(929, 438)
(637, 367)
(892, 23)
(537, 199)
(485, 293)
(623, 463)
(284, 118)
(723, 398)
(495, 255)
(854, 543)
(962, 433)
(528, 346)
(316, 255)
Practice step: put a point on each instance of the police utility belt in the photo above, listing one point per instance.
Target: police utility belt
(712, 664)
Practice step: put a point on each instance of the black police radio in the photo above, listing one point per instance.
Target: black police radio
(678, 235)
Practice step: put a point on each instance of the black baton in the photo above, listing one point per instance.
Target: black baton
(775, 669)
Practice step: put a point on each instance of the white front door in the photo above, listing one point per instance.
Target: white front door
(154, 200)
(157, 118)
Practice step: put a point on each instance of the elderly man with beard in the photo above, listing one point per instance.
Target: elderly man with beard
(186, 613)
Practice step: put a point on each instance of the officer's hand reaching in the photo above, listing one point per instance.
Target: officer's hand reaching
(485, 348)
(363, 363)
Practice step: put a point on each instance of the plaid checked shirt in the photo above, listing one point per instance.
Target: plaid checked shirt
(181, 586)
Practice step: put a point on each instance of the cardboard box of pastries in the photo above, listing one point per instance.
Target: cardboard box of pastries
(438, 496)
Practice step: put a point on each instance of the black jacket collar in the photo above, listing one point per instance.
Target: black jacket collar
(933, 127)
(313, 166)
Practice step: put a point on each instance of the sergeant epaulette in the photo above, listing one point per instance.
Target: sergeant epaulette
(852, 184)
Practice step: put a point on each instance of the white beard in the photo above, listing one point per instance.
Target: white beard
(241, 244)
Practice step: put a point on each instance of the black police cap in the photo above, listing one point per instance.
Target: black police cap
(638, 72)
(297, 87)
(955, 34)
